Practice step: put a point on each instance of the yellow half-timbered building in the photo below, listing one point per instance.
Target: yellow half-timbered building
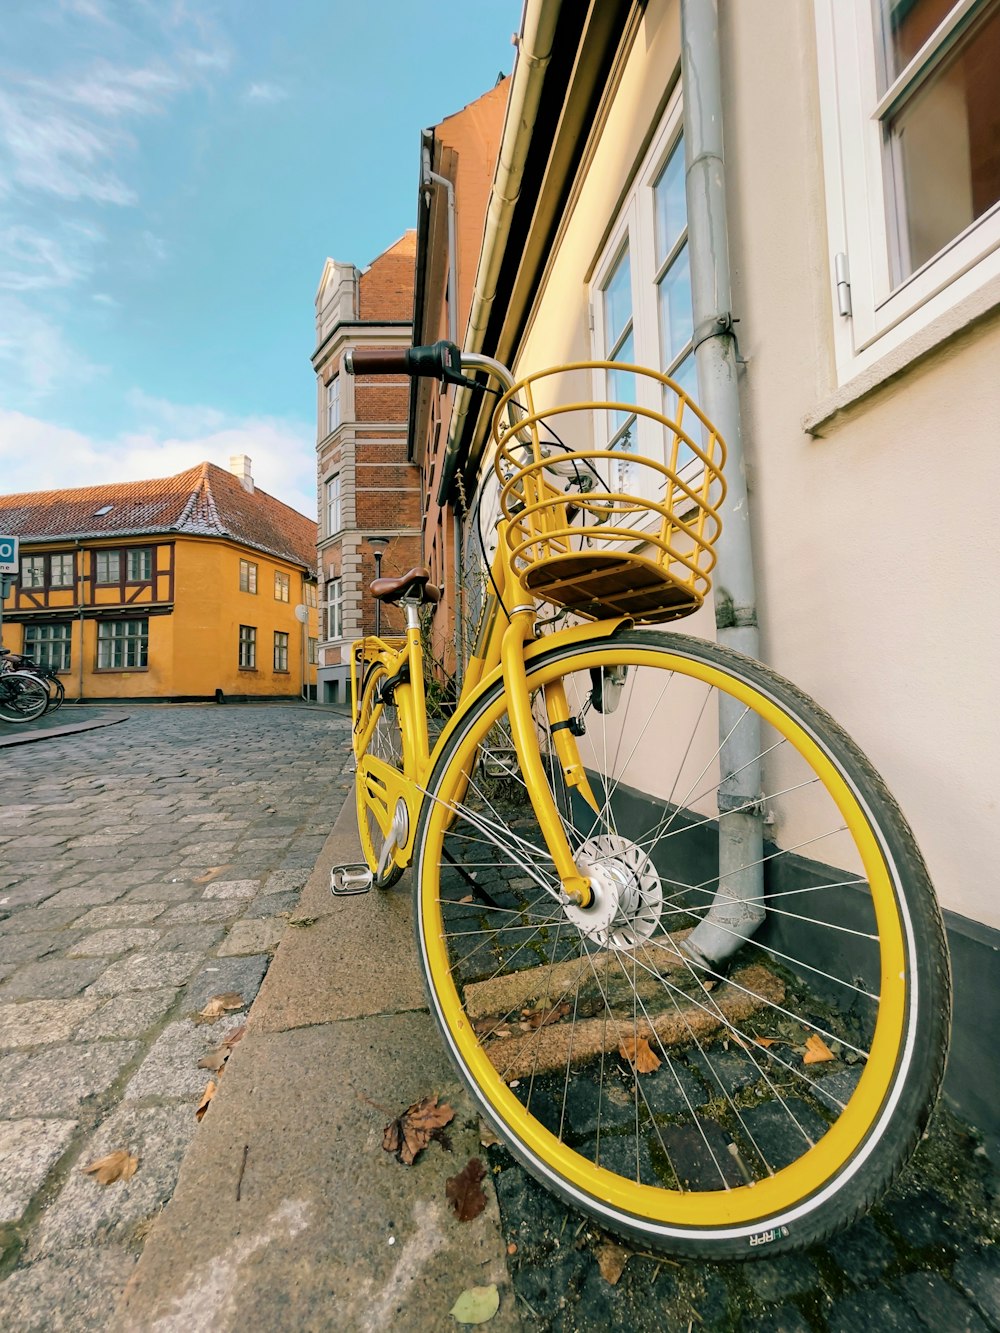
(196, 586)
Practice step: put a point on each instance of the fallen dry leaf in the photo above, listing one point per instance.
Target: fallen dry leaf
(540, 1018)
(411, 1132)
(816, 1051)
(118, 1165)
(637, 1052)
(611, 1259)
(216, 1058)
(203, 1104)
(487, 1139)
(466, 899)
(210, 874)
(464, 1192)
(219, 1005)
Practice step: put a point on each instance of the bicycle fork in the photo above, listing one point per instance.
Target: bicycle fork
(576, 888)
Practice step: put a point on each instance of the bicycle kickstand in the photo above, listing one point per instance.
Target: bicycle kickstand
(346, 881)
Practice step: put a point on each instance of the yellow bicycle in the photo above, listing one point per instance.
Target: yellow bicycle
(676, 934)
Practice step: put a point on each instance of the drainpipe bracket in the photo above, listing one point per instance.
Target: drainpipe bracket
(718, 326)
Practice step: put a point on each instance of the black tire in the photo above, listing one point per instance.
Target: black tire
(854, 959)
(386, 744)
(23, 697)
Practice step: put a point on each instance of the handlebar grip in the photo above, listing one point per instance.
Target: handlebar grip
(377, 361)
(439, 361)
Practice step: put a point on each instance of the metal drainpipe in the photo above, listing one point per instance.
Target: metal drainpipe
(428, 178)
(534, 51)
(736, 909)
(80, 586)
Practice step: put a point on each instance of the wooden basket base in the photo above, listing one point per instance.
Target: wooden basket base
(608, 583)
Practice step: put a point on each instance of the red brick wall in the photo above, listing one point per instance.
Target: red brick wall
(385, 289)
(378, 399)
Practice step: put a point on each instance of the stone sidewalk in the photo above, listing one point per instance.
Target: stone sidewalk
(154, 864)
(144, 868)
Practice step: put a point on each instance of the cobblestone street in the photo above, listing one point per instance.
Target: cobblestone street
(149, 866)
(144, 868)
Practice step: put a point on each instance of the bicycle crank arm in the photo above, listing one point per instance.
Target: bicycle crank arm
(346, 881)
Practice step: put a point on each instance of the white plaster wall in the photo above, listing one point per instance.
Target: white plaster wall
(877, 563)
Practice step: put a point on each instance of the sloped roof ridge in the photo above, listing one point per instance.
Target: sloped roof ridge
(201, 497)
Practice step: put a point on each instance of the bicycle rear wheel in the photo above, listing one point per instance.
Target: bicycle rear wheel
(385, 744)
(723, 1109)
(23, 697)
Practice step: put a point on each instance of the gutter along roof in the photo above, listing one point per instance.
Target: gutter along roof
(582, 45)
(204, 501)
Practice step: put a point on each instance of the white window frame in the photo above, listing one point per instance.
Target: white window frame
(104, 562)
(139, 564)
(636, 227)
(333, 405)
(123, 645)
(247, 656)
(882, 317)
(334, 506)
(50, 644)
(334, 609)
(282, 584)
(248, 576)
(62, 557)
(33, 571)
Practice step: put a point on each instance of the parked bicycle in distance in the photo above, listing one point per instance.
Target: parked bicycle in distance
(676, 934)
(24, 694)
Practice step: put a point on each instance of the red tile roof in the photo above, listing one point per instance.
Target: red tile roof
(204, 501)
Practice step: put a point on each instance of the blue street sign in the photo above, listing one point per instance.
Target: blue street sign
(8, 555)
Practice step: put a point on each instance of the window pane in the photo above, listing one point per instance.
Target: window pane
(49, 645)
(621, 384)
(617, 303)
(945, 147)
(122, 644)
(670, 204)
(674, 300)
(139, 564)
(905, 25)
(62, 571)
(108, 566)
(33, 571)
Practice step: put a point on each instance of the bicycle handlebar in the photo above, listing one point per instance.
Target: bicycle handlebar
(440, 361)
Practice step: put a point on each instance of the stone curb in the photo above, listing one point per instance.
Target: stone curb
(23, 734)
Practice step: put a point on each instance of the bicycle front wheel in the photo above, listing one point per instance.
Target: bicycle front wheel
(729, 1101)
(23, 697)
(375, 815)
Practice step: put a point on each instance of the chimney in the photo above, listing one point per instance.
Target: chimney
(239, 466)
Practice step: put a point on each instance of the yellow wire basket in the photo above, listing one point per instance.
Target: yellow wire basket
(610, 531)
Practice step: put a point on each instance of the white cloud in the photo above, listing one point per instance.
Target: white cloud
(48, 151)
(31, 260)
(35, 354)
(37, 455)
(265, 92)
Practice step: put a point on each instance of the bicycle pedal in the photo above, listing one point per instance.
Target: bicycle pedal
(346, 881)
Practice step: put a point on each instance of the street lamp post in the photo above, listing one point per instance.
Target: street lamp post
(378, 545)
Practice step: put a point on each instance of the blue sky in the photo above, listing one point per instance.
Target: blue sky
(173, 173)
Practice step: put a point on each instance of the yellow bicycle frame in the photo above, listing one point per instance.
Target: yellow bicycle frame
(504, 646)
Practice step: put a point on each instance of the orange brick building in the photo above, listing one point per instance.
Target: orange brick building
(462, 150)
(367, 485)
(196, 586)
